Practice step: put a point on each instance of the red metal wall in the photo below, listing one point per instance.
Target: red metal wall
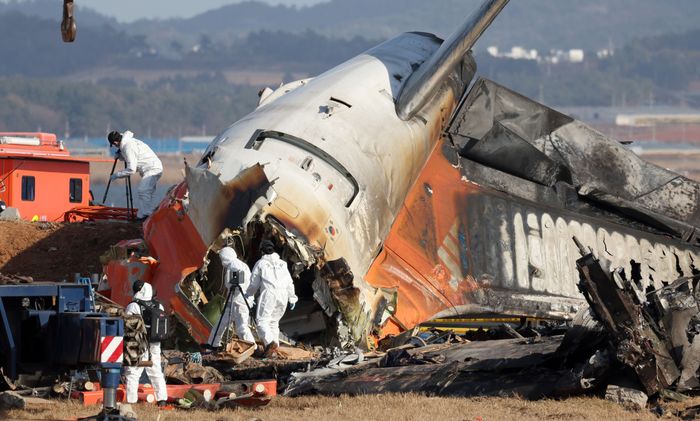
(51, 189)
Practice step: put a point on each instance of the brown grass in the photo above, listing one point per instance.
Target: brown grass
(383, 408)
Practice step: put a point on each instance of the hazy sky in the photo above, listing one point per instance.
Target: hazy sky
(129, 10)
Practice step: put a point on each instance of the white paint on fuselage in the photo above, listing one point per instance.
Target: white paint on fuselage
(382, 152)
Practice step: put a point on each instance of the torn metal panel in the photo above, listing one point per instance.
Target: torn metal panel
(490, 368)
(596, 163)
(504, 150)
(677, 308)
(640, 344)
(215, 205)
(501, 354)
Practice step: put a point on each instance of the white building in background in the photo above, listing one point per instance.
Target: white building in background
(515, 53)
(574, 55)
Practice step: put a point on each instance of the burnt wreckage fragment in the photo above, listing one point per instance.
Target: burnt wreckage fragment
(652, 333)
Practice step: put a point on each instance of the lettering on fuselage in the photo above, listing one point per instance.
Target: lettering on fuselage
(504, 244)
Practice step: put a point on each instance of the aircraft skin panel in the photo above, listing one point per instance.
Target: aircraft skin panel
(331, 113)
(451, 229)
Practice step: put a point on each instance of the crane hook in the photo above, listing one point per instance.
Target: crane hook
(68, 27)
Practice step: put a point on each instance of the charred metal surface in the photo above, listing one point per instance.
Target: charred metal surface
(491, 368)
(677, 308)
(640, 343)
(225, 205)
(601, 169)
(504, 150)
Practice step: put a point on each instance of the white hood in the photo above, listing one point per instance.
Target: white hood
(127, 135)
(146, 293)
(228, 256)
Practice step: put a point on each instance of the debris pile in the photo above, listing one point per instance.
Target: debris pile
(15, 279)
(628, 346)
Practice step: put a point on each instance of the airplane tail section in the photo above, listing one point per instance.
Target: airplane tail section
(423, 84)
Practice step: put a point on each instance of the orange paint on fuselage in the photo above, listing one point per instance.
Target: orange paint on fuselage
(424, 247)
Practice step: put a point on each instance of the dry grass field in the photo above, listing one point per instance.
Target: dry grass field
(381, 408)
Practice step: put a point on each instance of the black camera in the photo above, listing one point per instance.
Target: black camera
(235, 278)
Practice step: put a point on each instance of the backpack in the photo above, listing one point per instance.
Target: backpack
(155, 319)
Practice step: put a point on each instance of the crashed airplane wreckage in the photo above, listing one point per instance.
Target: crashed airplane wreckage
(629, 345)
(397, 195)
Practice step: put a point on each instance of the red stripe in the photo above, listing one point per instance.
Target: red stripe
(106, 340)
(118, 352)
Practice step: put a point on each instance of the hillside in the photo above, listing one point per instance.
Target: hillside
(36, 48)
(541, 24)
(113, 77)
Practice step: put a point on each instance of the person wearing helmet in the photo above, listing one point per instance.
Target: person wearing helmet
(140, 158)
(271, 277)
(143, 293)
(236, 273)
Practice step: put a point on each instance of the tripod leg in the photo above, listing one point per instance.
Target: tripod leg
(250, 309)
(130, 195)
(228, 303)
(104, 198)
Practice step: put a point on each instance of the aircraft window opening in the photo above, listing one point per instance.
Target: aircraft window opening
(260, 136)
(212, 148)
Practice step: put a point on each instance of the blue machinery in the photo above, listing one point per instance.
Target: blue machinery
(50, 328)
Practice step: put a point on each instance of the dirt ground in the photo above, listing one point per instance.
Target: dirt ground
(54, 251)
(384, 408)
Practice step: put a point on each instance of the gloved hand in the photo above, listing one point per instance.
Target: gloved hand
(292, 305)
(115, 152)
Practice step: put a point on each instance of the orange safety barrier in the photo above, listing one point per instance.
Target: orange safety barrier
(147, 397)
(257, 393)
(88, 398)
(178, 391)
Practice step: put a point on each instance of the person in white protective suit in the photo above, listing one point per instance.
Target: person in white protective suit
(140, 158)
(271, 277)
(235, 309)
(143, 291)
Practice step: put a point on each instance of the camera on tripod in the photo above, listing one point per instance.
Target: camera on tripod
(235, 278)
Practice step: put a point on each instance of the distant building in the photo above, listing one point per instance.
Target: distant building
(644, 120)
(576, 56)
(516, 53)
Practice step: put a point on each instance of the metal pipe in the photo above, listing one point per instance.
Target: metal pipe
(423, 84)
(109, 383)
(109, 397)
